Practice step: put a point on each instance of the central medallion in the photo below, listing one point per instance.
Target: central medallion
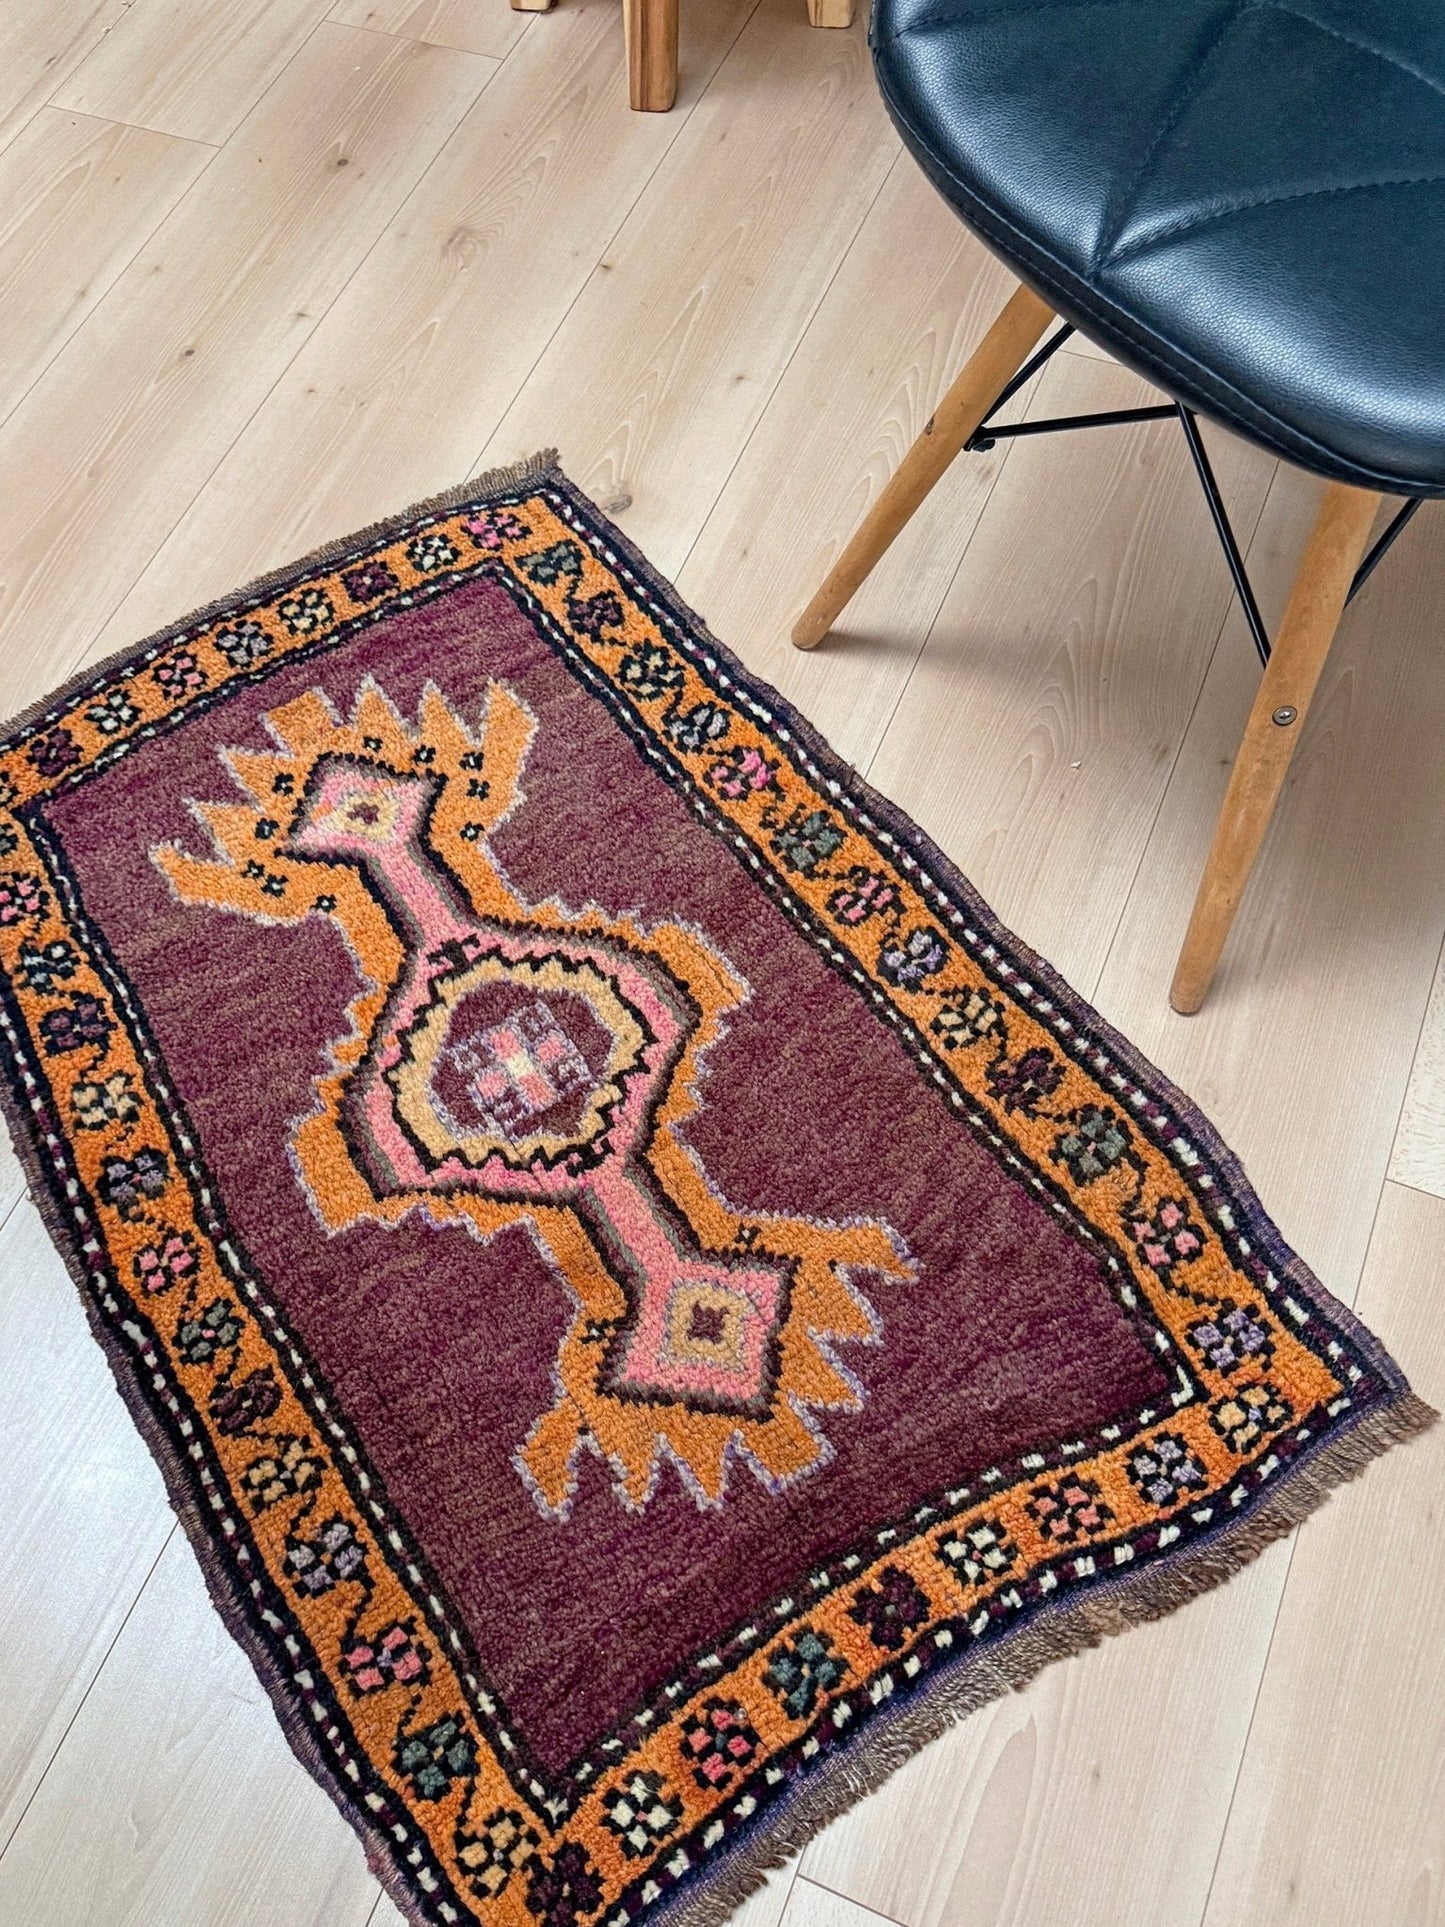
(514, 1063)
(514, 1074)
(531, 1055)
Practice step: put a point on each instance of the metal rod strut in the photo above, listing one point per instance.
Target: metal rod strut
(1223, 530)
(984, 438)
(1025, 374)
(1376, 556)
(986, 434)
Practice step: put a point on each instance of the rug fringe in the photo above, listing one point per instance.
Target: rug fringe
(887, 1742)
(881, 1748)
(540, 467)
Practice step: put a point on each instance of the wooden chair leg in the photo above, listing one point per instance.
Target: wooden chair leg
(830, 13)
(651, 29)
(1311, 617)
(998, 357)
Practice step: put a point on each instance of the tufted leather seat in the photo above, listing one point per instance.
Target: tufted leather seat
(1242, 199)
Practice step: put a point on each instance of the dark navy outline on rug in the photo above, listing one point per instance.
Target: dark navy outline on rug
(1078, 1029)
(947, 1500)
(1212, 1175)
(677, 775)
(558, 1793)
(194, 1459)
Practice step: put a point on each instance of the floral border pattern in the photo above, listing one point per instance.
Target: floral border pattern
(375, 1680)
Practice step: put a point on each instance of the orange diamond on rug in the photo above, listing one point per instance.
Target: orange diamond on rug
(648, 1300)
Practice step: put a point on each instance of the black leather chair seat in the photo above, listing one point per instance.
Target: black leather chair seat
(1242, 199)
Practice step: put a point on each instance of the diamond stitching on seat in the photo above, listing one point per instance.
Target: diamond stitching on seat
(1110, 253)
(1079, 272)
(1354, 40)
(1132, 250)
(1204, 52)
(1111, 250)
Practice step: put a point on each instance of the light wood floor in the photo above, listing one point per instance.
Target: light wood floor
(272, 268)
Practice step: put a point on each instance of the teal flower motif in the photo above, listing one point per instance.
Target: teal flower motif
(799, 1672)
(1097, 1140)
(216, 1328)
(439, 1754)
(560, 563)
(807, 839)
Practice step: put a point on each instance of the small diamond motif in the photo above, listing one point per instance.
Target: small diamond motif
(641, 1812)
(519, 1068)
(980, 1552)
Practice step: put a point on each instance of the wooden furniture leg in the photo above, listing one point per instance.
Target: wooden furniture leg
(651, 29)
(830, 13)
(1316, 603)
(998, 357)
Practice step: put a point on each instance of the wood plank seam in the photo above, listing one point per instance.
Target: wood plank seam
(89, 1689)
(792, 356)
(874, 1913)
(143, 240)
(62, 76)
(149, 556)
(480, 460)
(1391, 1174)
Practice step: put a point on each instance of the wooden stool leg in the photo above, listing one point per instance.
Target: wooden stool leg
(995, 361)
(651, 29)
(830, 13)
(1316, 603)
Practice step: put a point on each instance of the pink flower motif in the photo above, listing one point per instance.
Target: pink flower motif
(171, 1262)
(1186, 1239)
(718, 1742)
(742, 772)
(1168, 1238)
(865, 895)
(1065, 1512)
(404, 1659)
(372, 1664)
(496, 526)
(179, 674)
(20, 897)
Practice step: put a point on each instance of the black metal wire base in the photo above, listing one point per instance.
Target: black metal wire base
(989, 432)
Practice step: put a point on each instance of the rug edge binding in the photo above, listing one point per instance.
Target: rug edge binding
(541, 467)
(880, 1748)
(885, 1744)
(877, 1751)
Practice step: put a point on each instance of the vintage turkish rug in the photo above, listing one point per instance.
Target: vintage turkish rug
(648, 1300)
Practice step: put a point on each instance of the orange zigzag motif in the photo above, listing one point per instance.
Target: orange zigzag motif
(511, 1063)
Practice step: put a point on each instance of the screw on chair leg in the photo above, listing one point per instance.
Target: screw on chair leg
(984, 376)
(1316, 602)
